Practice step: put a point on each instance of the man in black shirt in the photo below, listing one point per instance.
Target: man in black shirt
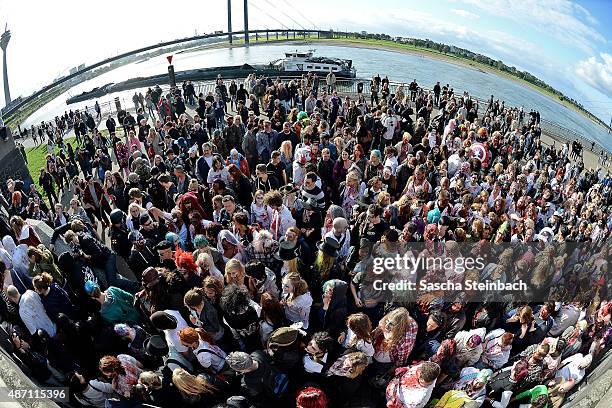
(111, 124)
(263, 181)
(310, 190)
(242, 94)
(437, 90)
(373, 226)
(288, 134)
(141, 256)
(166, 255)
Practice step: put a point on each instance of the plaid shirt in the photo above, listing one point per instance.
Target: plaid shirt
(266, 257)
(400, 352)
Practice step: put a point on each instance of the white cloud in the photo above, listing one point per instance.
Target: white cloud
(596, 73)
(465, 14)
(497, 44)
(562, 19)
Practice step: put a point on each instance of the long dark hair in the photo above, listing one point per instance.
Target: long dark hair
(272, 310)
(234, 171)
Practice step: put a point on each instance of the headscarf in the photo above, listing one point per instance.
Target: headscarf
(229, 237)
(239, 157)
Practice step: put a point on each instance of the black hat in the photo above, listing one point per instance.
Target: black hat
(437, 317)
(329, 246)
(163, 321)
(288, 189)
(156, 346)
(117, 216)
(287, 250)
(150, 277)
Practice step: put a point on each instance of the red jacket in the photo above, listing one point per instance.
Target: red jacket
(87, 197)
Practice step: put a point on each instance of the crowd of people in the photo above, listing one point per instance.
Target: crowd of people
(250, 241)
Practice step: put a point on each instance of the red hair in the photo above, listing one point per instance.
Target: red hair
(359, 147)
(16, 197)
(311, 397)
(193, 200)
(185, 260)
(234, 171)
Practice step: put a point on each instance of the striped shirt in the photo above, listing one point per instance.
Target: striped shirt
(316, 194)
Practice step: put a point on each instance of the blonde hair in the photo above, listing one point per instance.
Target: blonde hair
(150, 379)
(231, 265)
(134, 205)
(190, 384)
(299, 285)
(525, 315)
(400, 319)
(352, 175)
(42, 282)
(359, 362)
(323, 264)
(286, 148)
(382, 196)
(69, 235)
(292, 266)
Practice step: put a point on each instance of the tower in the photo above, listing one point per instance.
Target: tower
(246, 22)
(4, 40)
(229, 20)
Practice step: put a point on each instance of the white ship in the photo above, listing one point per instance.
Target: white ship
(302, 62)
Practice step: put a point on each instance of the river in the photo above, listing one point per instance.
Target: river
(398, 66)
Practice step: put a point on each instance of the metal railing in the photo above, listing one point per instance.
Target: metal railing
(350, 87)
(268, 34)
(343, 86)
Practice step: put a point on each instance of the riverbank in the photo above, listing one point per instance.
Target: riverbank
(408, 49)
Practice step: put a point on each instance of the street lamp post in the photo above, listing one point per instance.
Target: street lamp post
(4, 40)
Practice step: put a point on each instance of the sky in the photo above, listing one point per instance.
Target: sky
(566, 43)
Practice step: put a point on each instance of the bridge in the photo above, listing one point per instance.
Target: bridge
(253, 35)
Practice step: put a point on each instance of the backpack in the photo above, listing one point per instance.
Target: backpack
(277, 382)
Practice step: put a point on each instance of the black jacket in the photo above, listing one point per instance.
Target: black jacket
(90, 246)
(120, 242)
(141, 260)
(334, 318)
